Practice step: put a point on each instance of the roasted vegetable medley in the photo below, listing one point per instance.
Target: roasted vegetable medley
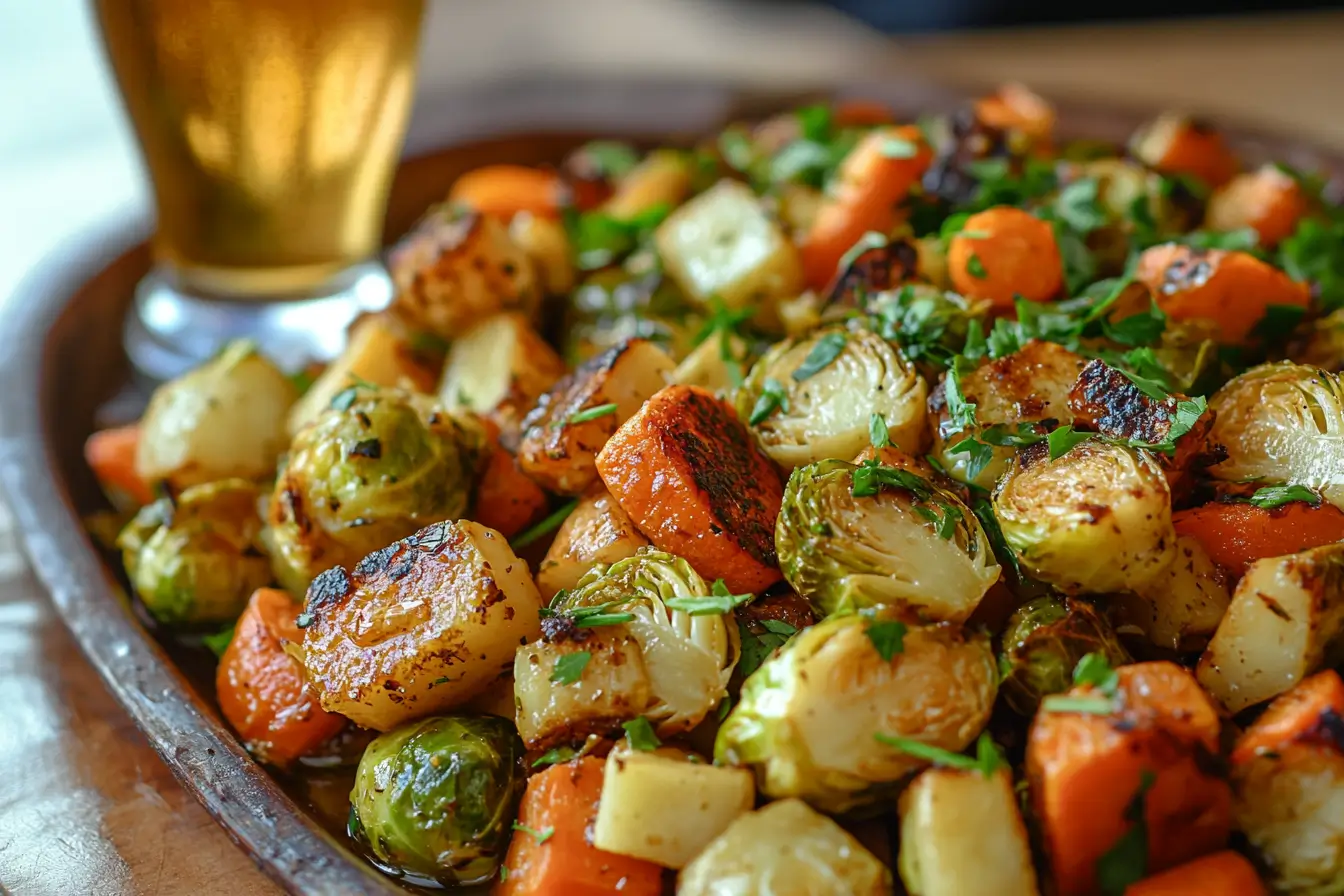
(841, 505)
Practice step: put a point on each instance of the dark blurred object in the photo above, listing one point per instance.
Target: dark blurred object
(949, 15)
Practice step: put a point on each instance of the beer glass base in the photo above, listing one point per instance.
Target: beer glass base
(168, 331)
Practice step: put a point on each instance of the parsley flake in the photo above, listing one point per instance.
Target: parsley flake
(824, 351)
(887, 636)
(988, 759)
(569, 668)
(773, 398)
(640, 734)
(878, 436)
(975, 267)
(721, 601)
(1126, 863)
(1273, 496)
(593, 413)
(545, 527)
(541, 836)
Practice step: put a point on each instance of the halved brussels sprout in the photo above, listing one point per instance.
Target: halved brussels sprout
(1044, 641)
(614, 305)
(1095, 520)
(806, 720)
(198, 558)
(825, 387)
(1282, 423)
(852, 536)
(436, 799)
(374, 467)
(784, 849)
(687, 658)
(225, 419)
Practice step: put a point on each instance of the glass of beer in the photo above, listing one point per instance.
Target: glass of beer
(271, 130)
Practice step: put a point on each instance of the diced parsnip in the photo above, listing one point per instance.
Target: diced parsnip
(1090, 767)
(558, 450)
(419, 627)
(722, 243)
(717, 364)
(1181, 609)
(962, 833)
(597, 531)
(785, 849)
(667, 810)
(1288, 776)
(612, 687)
(1286, 620)
(378, 352)
(662, 178)
(498, 369)
(546, 243)
(455, 268)
(225, 419)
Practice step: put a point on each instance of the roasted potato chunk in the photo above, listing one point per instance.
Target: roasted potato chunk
(418, 627)
(598, 531)
(571, 422)
(457, 267)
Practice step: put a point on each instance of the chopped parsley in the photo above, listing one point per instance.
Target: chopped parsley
(1077, 206)
(721, 601)
(593, 413)
(1063, 439)
(773, 398)
(944, 518)
(975, 267)
(592, 616)
(609, 159)
(960, 412)
(887, 637)
(1277, 495)
(219, 641)
(824, 351)
(541, 836)
(640, 734)
(988, 759)
(599, 239)
(555, 756)
(899, 148)
(757, 646)
(878, 436)
(1096, 706)
(545, 527)
(569, 668)
(1095, 670)
(1126, 863)
(870, 477)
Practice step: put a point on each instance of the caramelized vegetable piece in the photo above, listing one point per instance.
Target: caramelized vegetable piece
(1088, 771)
(110, 453)
(1223, 873)
(505, 190)
(1178, 144)
(1268, 200)
(506, 500)
(1288, 775)
(564, 432)
(1234, 289)
(1014, 107)
(662, 178)
(1237, 535)
(597, 531)
(1005, 252)
(687, 472)
(875, 176)
(563, 800)
(261, 687)
(419, 627)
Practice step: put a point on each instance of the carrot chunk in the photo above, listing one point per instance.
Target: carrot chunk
(1269, 200)
(687, 472)
(1223, 873)
(110, 453)
(1177, 144)
(1313, 705)
(1004, 252)
(561, 806)
(506, 499)
(505, 190)
(261, 688)
(1237, 535)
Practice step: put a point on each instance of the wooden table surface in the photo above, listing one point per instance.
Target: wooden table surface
(86, 806)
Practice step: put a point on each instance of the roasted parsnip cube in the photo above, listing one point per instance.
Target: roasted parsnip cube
(457, 267)
(718, 364)
(961, 833)
(419, 627)
(665, 809)
(571, 422)
(379, 352)
(722, 243)
(612, 687)
(1286, 620)
(1181, 609)
(662, 178)
(498, 369)
(598, 531)
(546, 243)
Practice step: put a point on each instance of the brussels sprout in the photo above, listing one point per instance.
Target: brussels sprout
(374, 467)
(198, 558)
(1282, 423)
(1044, 641)
(906, 541)
(784, 849)
(613, 305)
(1323, 346)
(812, 397)
(224, 419)
(1095, 520)
(806, 719)
(687, 657)
(436, 799)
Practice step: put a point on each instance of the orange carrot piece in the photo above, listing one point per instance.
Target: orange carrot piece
(1015, 107)
(1223, 873)
(1268, 199)
(1296, 715)
(1237, 535)
(506, 499)
(1086, 769)
(875, 176)
(1232, 289)
(563, 800)
(1004, 252)
(505, 190)
(1175, 144)
(261, 688)
(110, 453)
(692, 479)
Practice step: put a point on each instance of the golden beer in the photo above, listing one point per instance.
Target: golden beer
(271, 129)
